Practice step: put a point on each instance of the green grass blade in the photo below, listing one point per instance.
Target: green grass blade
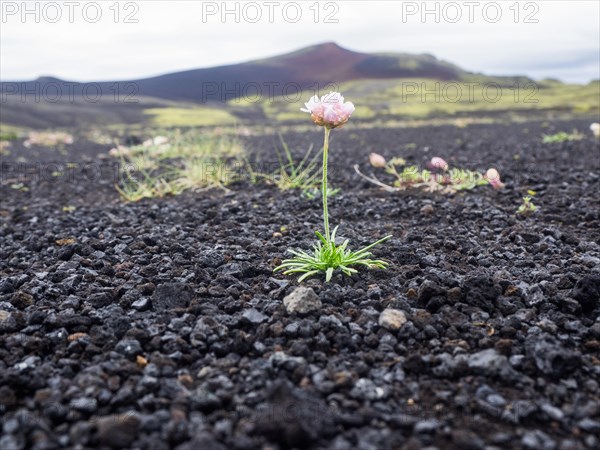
(380, 241)
(328, 274)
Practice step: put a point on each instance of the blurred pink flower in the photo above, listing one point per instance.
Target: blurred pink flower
(376, 160)
(493, 177)
(438, 163)
(330, 111)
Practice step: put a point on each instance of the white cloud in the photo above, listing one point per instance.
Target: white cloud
(172, 36)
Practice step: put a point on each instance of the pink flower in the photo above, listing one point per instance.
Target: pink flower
(493, 178)
(376, 160)
(438, 163)
(330, 111)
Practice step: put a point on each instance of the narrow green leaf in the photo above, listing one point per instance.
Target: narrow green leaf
(329, 274)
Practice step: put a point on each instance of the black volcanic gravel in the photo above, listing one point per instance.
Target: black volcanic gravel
(160, 324)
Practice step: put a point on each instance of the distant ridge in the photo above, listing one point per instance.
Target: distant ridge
(318, 65)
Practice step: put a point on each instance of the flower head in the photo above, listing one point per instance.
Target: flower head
(493, 178)
(595, 127)
(438, 163)
(330, 111)
(376, 160)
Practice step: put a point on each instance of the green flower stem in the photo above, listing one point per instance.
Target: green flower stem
(324, 184)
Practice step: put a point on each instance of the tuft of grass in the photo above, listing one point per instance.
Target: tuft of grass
(527, 208)
(11, 132)
(149, 186)
(189, 117)
(327, 256)
(303, 175)
(8, 136)
(191, 144)
(143, 162)
(19, 187)
(200, 174)
(182, 161)
(562, 136)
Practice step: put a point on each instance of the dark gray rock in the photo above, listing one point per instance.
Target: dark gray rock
(366, 389)
(254, 316)
(431, 296)
(482, 292)
(292, 417)
(117, 431)
(100, 299)
(21, 300)
(202, 440)
(143, 304)
(489, 362)
(550, 357)
(587, 292)
(538, 440)
(171, 295)
(129, 347)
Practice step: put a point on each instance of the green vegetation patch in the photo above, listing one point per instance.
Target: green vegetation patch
(190, 117)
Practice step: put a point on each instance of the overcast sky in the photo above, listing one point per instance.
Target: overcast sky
(87, 41)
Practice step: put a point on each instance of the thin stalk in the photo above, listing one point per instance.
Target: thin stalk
(324, 184)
